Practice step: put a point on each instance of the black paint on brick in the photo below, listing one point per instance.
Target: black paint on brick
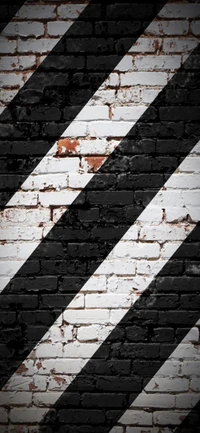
(63, 84)
(191, 423)
(75, 237)
(129, 364)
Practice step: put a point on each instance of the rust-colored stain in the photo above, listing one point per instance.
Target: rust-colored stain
(22, 369)
(95, 162)
(157, 45)
(39, 365)
(67, 146)
(32, 386)
(59, 380)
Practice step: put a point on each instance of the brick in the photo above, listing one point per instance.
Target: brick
(119, 267)
(95, 284)
(36, 45)
(42, 182)
(109, 129)
(7, 95)
(47, 350)
(23, 199)
(58, 28)
(190, 165)
(62, 198)
(11, 80)
(146, 45)
(92, 333)
(162, 233)
(176, 45)
(167, 418)
(103, 97)
(94, 112)
(135, 417)
(108, 301)
(126, 64)
(180, 11)
(76, 129)
(168, 385)
(158, 28)
(185, 181)
(7, 46)
(195, 27)
(91, 316)
(57, 165)
(186, 401)
(14, 233)
(144, 78)
(34, 11)
(136, 250)
(17, 63)
(130, 96)
(70, 11)
(153, 400)
(80, 350)
(195, 384)
(24, 29)
(16, 398)
(128, 113)
(3, 415)
(29, 415)
(161, 62)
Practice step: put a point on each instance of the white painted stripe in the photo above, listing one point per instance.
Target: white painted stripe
(27, 217)
(171, 393)
(104, 300)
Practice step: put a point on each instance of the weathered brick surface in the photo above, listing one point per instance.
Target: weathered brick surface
(118, 283)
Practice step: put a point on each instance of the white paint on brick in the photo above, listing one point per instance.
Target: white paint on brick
(144, 79)
(195, 27)
(168, 28)
(24, 29)
(162, 62)
(7, 46)
(180, 10)
(177, 45)
(70, 11)
(11, 80)
(58, 28)
(21, 63)
(35, 12)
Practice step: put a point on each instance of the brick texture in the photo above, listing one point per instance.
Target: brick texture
(143, 251)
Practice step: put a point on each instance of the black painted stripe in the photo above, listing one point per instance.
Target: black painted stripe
(64, 83)
(191, 423)
(135, 350)
(7, 11)
(100, 216)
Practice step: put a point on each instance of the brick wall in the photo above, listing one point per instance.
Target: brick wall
(43, 198)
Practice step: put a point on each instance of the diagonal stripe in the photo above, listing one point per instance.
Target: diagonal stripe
(57, 168)
(110, 219)
(171, 393)
(136, 339)
(112, 299)
(7, 12)
(60, 95)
